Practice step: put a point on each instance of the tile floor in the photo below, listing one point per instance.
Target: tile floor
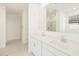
(15, 48)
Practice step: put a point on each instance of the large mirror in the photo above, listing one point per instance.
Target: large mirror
(62, 17)
(51, 18)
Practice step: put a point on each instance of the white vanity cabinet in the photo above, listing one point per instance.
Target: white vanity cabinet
(35, 46)
(41, 48)
(48, 50)
(45, 46)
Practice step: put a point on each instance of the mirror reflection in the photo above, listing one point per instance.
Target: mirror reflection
(62, 17)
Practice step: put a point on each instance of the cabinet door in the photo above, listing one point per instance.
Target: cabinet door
(56, 51)
(35, 46)
(32, 45)
(46, 51)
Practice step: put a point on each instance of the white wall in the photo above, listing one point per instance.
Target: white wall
(2, 26)
(43, 18)
(62, 22)
(25, 25)
(34, 18)
(13, 26)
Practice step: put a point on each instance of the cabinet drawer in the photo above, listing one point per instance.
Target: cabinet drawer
(54, 51)
(46, 51)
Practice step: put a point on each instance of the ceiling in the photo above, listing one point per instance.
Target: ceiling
(14, 7)
(18, 7)
(63, 6)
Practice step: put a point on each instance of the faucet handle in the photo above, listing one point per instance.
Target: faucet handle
(63, 40)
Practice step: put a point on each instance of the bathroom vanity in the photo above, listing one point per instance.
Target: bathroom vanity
(54, 44)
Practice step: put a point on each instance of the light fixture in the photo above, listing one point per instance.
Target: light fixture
(44, 4)
(74, 8)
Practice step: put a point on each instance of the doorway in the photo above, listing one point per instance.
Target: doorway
(13, 26)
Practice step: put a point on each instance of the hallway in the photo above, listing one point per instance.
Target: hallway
(14, 48)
